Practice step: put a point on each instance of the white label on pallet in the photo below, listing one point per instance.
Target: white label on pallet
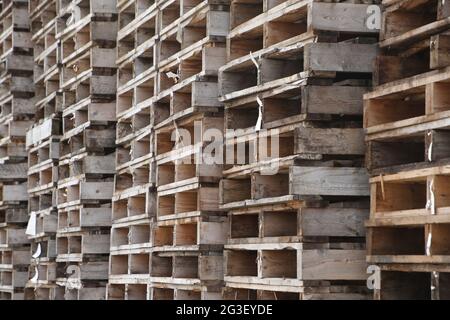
(429, 244)
(36, 275)
(31, 227)
(75, 14)
(258, 126)
(38, 252)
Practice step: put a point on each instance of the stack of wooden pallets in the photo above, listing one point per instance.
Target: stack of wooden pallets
(110, 112)
(407, 119)
(43, 151)
(134, 191)
(16, 115)
(296, 191)
(187, 259)
(87, 35)
(168, 231)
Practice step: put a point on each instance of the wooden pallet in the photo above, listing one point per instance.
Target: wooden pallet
(170, 140)
(16, 116)
(134, 203)
(193, 272)
(82, 248)
(13, 215)
(298, 221)
(13, 273)
(182, 189)
(299, 182)
(291, 267)
(292, 229)
(402, 207)
(259, 25)
(136, 152)
(165, 291)
(45, 23)
(304, 141)
(88, 70)
(324, 292)
(46, 273)
(130, 268)
(48, 248)
(89, 291)
(72, 246)
(188, 201)
(409, 204)
(300, 114)
(44, 292)
(11, 237)
(42, 178)
(207, 232)
(133, 236)
(415, 123)
(83, 236)
(127, 291)
(75, 192)
(283, 67)
(398, 284)
(197, 94)
(43, 269)
(415, 45)
(10, 258)
(301, 60)
(14, 27)
(87, 113)
(97, 141)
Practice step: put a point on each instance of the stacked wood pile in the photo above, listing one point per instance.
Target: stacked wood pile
(16, 115)
(187, 259)
(87, 34)
(168, 231)
(407, 119)
(108, 107)
(43, 151)
(134, 191)
(292, 88)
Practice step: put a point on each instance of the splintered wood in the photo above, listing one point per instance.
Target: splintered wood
(214, 149)
(407, 117)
